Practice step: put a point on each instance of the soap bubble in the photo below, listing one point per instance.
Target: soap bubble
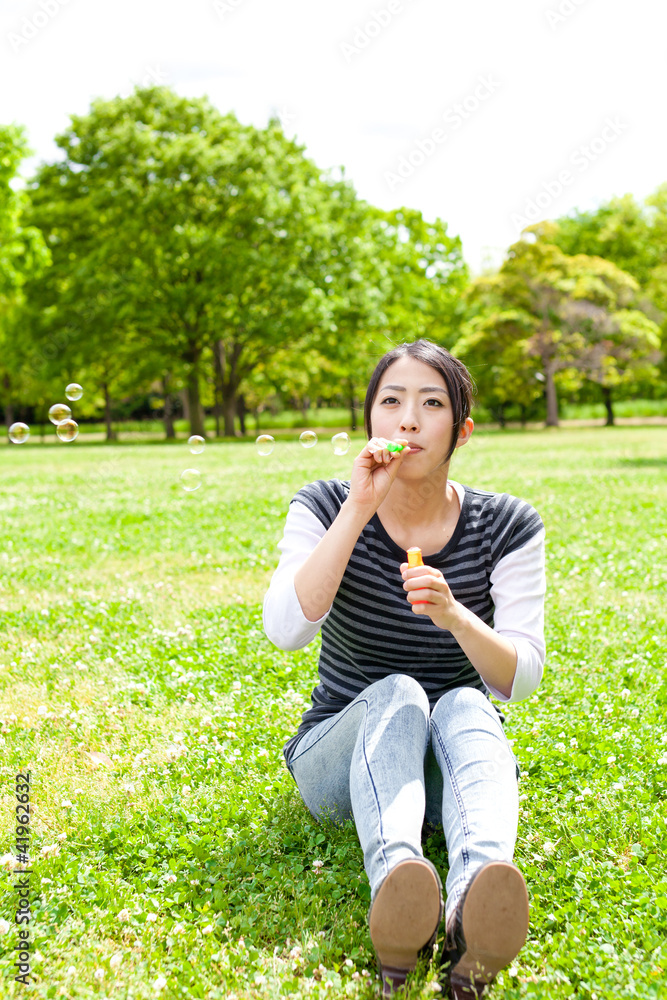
(196, 444)
(74, 391)
(308, 439)
(59, 412)
(18, 433)
(265, 444)
(341, 443)
(190, 480)
(67, 430)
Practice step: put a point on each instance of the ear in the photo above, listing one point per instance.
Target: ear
(465, 433)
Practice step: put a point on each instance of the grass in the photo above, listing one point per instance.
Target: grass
(180, 863)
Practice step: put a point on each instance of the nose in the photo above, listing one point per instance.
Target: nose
(409, 420)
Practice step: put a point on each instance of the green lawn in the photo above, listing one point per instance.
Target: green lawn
(182, 863)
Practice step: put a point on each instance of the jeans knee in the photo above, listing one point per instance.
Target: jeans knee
(404, 689)
(459, 702)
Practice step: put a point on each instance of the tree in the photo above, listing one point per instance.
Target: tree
(575, 314)
(203, 239)
(23, 255)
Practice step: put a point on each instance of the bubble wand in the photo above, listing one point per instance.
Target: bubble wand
(415, 559)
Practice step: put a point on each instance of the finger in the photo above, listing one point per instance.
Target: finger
(421, 596)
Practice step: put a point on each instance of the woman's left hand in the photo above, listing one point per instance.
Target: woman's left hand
(429, 594)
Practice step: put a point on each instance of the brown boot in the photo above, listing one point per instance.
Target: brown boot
(404, 918)
(488, 928)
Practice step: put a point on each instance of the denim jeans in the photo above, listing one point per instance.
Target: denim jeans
(388, 762)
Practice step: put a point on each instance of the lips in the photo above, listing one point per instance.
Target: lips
(414, 447)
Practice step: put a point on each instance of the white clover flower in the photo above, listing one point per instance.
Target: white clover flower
(208, 929)
(4, 926)
(8, 861)
(124, 915)
(50, 850)
(61, 836)
(115, 960)
(317, 865)
(549, 847)
(42, 710)
(634, 713)
(66, 804)
(170, 877)
(626, 692)
(70, 970)
(99, 973)
(178, 929)
(190, 696)
(611, 759)
(151, 918)
(159, 983)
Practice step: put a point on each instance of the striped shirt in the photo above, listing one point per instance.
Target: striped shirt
(493, 563)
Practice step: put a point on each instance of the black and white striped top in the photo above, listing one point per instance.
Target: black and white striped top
(493, 563)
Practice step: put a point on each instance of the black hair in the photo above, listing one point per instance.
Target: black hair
(457, 378)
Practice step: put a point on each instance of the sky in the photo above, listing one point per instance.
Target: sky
(486, 115)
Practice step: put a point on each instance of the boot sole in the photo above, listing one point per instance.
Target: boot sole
(495, 922)
(405, 914)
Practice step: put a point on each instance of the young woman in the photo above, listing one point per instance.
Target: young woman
(401, 728)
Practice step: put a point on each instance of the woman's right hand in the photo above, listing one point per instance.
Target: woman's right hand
(373, 472)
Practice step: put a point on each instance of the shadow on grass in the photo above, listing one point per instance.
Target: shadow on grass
(643, 463)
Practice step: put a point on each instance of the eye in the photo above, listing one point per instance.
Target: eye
(390, 399)
(439, 402)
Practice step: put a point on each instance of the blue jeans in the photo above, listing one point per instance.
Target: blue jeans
(387, 761)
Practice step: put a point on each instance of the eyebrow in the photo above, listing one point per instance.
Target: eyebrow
(428, 388)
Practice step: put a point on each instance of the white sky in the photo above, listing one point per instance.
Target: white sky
(554, 86)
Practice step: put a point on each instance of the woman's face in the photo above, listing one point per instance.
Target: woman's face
(412, 402)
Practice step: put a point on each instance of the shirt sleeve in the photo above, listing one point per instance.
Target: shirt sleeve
(285, 624)
(518, 588)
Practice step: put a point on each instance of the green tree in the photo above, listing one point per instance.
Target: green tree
(575, 315)
(201, 241)
(23, 255)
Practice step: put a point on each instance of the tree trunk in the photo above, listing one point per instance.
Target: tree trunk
(219, 371)
(552, 399)
(353, 408)
(229, 412)
(170, 432)
(305, 406)
(523, 411)
(107, 412)
(194, 400)
(498, 412)
(241, 413)
(185, 403)
(606, 396)
(8, 406)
